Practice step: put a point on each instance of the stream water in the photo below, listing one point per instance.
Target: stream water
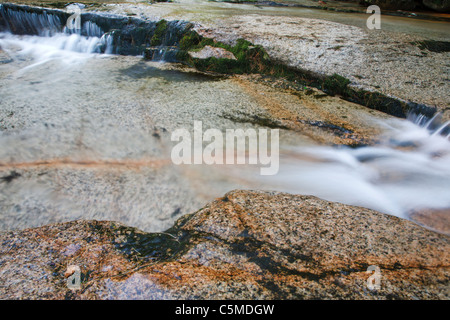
(408, 170)
(87, 135)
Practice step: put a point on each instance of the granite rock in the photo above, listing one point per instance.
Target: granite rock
(245, 245)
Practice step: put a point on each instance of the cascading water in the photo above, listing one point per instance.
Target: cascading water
(408, 170)
(25, 22)
(45, 36)
(92, 33)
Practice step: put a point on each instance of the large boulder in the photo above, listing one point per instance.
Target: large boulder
(438, 5)
(246, 245)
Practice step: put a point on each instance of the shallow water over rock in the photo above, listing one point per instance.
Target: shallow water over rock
(86, 135)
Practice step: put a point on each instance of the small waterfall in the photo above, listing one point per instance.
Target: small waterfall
(44, 33)
(21, 21)
(408, 170)
(161, 53)
(99, 33)
(107, 41)
(90, 29)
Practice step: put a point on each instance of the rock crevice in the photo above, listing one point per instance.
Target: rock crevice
(246, 245)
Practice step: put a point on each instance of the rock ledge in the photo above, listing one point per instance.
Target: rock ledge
(246, 245)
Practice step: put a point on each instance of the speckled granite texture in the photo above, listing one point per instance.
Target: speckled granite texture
(246, 245)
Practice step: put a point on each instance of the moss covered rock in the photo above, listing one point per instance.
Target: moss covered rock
(157, 38)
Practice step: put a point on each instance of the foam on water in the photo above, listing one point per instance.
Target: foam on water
(408, 170)
(44, 37)
(67, 48)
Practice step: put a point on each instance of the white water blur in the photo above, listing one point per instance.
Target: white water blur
(65, 46)
(51, 39)
(408, 170)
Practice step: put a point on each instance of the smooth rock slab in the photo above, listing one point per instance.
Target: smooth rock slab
(246, 245)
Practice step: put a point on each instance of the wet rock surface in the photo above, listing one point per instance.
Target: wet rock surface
(377, 61)
(364, 58)
(246, 245)
(435, 219)
(108, 157)
(386, 61)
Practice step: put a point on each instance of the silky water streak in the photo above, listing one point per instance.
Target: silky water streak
(407, 170)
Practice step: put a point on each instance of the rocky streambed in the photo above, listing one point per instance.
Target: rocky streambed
(87, 182)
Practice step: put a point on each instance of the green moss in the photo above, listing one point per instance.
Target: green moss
(252, 58)
(219, 65)
(161, 27)
(249, 58)
(336, 84)
(191, 40)
(432, 45)
(139, 35)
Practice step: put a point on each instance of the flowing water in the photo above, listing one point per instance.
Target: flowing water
(408, 170)
(85, 135)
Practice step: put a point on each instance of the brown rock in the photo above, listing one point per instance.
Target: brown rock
(246, 245)
(209, 52)
(435, 219)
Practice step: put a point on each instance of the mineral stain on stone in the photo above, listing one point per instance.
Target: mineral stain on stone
(10, 177)
(248, 245)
